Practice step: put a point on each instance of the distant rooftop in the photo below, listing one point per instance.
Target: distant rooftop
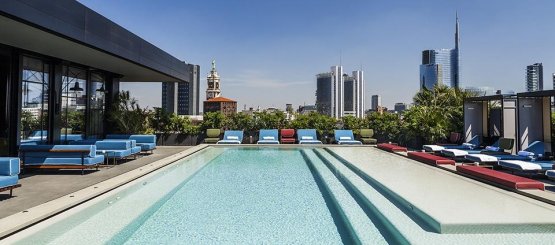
(220, 99)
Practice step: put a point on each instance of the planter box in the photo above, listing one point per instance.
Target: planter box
(177, 139)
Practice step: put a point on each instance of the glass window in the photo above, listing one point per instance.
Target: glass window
(98, 96)
(74, 102)
(34, 101)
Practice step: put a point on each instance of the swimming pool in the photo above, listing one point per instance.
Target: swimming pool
(276, 195)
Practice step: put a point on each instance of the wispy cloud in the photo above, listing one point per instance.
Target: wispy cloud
(259, 79)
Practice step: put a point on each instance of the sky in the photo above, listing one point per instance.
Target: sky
(269, 52)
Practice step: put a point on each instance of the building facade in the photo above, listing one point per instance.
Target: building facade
(338, 94)
(224, 105)
(534, 77)
(376, 102)
(400, 107)
(182, 98)
(61, 64)
(441, 66)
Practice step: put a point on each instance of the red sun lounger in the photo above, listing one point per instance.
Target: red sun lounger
(429, 158)
(504, 179)
(392, 147)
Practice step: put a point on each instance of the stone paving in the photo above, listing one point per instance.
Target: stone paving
(41, 186)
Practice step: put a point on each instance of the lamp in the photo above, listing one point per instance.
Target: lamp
(76, 87)
(101, 89)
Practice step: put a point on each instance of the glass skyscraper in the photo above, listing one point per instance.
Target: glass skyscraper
(534, 77)
(441, 66)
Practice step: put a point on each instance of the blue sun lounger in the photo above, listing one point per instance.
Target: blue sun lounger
(232, 137)
(534, 150)
(268, 136)
(345, 137)
(307, 136)
(471, 144)
(9, 174)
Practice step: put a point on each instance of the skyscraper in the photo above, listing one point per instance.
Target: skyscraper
(553, 74)
(182, 98)
(441, 66)
(376, 102)
(339, 94)
(534, 77)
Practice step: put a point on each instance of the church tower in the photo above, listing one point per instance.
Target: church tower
(213, 79)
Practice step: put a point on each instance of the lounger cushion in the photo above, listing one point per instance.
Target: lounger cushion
(525, 153)
(525, 166)
(33, 161)
(391, 147)
(505, 179)
(432, 148)
(311, 142)
(349, 142)
(550, 174)
(9, 166)
(481, 158)
(115, 153)
(429, 158)
(6, 181)
(454, 152)
(209, 140)
(150, 146)
(229, 142)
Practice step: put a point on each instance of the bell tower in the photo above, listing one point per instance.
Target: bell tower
(213, 79)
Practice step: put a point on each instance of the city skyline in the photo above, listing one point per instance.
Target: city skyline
(270, 55)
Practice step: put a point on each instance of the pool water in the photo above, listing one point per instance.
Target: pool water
(260, 195)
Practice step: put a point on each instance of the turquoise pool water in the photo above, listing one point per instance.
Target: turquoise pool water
(257, 195)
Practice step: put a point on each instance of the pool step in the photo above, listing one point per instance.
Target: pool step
(360, 228)
(376, 206)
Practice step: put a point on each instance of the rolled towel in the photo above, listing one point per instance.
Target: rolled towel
(307, 138)
(492, 148)
(268, 138)
(345, 138)
(233, 137)
(526, 154)
(468, 145)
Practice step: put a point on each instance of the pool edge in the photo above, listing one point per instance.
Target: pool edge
(22, 220)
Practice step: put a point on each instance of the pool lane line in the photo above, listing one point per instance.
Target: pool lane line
(425, 221)
(344, 228)
(384, 225)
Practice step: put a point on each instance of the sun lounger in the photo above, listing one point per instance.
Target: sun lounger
(366, 136)
(526, 166)
(287, 136)
(429, 158)
(212, 135)
(232, 137)
(345, 137)
(147, 142)
(115, 150)
(504, 179)
(307, 136)
(268, 136)
(474, 142)
(471, 149)
(9, 174)
(60, 156)
(550, 174)
(534, 150)
(392, 147)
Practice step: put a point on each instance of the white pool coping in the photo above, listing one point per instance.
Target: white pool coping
(22, 220)
(437, 192)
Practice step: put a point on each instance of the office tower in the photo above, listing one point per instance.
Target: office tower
(182, 98)
(400, 107)
(534, 77)
(376, 102)
(213, 80)
(441, 66)
(339, 94)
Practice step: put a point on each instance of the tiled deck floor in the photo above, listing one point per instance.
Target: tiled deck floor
(39, 187)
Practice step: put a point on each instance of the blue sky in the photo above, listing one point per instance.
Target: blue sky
(268, 52)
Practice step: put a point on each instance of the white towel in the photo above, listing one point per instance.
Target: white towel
(307, 138)
(344, 138)
(233, 137)
(268, 138)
